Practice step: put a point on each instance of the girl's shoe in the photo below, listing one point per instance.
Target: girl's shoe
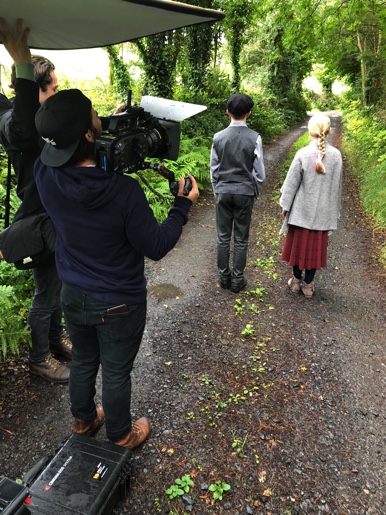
(294, 285)
(308, 289)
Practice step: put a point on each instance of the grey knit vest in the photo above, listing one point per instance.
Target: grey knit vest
(235, 148)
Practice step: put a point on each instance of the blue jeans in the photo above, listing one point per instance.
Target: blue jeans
(233, 213)
(45, 313)
(109, 340)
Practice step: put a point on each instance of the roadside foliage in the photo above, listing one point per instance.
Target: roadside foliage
(265, 49)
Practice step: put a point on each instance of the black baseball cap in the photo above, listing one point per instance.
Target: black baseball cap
(239, 104)
(62, 121)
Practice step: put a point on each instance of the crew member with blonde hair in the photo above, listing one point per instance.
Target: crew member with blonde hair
(310, 202)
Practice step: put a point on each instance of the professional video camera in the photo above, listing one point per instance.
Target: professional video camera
(137, 134)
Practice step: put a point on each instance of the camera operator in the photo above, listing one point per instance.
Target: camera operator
(33, 80)
(105, 227)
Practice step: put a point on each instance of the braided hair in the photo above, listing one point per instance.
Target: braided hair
(319, 127)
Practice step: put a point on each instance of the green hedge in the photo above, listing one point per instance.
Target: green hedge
(364, 145)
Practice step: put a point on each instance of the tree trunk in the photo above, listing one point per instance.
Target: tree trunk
(363, 67)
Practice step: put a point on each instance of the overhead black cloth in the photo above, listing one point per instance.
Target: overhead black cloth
(72, 24)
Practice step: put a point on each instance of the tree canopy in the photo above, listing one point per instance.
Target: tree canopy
(273, 44)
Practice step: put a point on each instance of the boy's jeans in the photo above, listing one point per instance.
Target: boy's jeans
(233, 212)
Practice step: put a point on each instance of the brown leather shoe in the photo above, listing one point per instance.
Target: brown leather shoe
(138, 434)
(50, 369)
(85, 427)
(62, 347)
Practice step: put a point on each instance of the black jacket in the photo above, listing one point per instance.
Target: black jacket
(21, 141)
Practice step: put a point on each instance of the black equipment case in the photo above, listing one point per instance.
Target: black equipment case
(12, 497)
(86, 477)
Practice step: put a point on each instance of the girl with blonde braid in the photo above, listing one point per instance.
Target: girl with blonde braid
(310, 202)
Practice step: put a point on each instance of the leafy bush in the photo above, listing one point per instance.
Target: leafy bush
(322, 101)
(193, 159)
(14, 200)
(14, 304)
(156, 189)
(15, 299)
(364, 144)
(267, 120)
(270, 117)
(3, 161)
(374, 194)
(105, 100)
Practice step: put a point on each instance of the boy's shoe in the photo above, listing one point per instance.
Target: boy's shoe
(225, 283)
(50, 369)
(236, 287)
(308, 289)
(85, 427)
(294, 285)
(138, 434)
(62, 347)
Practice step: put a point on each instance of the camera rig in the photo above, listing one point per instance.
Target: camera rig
(136, 134)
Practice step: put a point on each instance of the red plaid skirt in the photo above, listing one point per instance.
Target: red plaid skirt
(305, 248)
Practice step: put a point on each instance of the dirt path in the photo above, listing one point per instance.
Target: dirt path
(328, 374)
(188, 275)
(292, 416)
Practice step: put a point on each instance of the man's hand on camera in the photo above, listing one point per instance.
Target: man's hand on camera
(193, 193)
(15, 41)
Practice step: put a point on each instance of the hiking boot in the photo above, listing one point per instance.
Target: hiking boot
(308, 289)
(62, 347)
(138, 434)
(236, 287)
(87, 428)
(294, 285)
(50, 369)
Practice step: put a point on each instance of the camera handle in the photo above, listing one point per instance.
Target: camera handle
(169, 175)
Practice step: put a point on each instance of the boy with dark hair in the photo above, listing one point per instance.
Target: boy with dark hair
(237, 172)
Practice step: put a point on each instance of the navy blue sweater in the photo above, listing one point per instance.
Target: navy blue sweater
(105, 227)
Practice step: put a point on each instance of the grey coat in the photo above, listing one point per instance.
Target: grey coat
(312, 200)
